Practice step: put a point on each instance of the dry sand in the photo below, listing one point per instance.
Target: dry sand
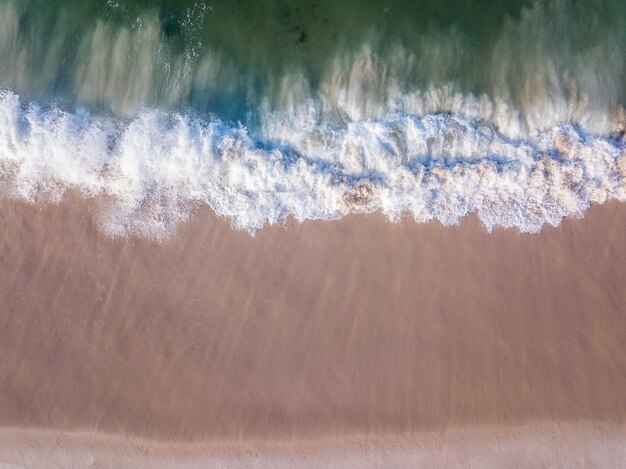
(584, 444)
(320, 330)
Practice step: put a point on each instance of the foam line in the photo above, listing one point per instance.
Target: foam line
(157, 167)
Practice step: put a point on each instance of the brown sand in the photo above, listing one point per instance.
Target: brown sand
(315, 330)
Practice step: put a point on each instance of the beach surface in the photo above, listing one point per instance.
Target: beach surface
(357, 332)
(533, 445)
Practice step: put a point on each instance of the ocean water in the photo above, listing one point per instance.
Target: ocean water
(270, 110)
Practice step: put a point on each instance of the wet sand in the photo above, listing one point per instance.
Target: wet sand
(319, 330)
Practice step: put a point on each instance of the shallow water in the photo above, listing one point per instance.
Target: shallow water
(230, 58)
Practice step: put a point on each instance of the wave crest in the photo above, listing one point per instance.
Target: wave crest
(156, 168)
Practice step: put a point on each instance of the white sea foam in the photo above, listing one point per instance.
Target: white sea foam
(158, 167)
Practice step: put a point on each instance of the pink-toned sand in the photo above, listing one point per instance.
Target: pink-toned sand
(313, 332)
(541, 444)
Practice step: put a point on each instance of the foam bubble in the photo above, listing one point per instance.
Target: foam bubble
(158, 167)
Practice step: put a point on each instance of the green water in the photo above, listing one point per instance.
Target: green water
(352, 58)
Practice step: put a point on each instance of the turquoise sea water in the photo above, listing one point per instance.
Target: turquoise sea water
(269, 109)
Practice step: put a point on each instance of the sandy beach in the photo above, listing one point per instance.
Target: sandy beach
(278, 234)
(313, 332)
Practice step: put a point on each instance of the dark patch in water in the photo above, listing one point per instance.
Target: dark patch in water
(171, 26)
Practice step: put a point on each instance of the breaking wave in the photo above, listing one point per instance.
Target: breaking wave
(158, 167)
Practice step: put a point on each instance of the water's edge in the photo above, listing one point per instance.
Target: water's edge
(158, 166)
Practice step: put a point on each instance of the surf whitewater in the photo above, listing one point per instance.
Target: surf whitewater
(308, 113)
